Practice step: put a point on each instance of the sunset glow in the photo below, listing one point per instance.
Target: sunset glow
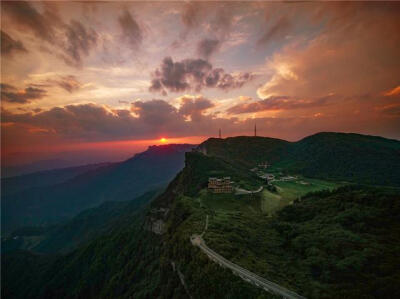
(98, 75)
(246, 137)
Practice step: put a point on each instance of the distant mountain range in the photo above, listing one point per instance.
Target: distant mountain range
(49, 197)
(41, 165)
(85, 226)
(16, 184)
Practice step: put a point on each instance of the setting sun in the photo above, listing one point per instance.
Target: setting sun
(163, 140)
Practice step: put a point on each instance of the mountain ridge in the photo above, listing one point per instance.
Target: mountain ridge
(118, 181)
(325, 244)
(327, 154)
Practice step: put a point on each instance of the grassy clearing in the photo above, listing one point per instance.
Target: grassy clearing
(265, 202)
(289, 191)
(271, 202)
(297, 188)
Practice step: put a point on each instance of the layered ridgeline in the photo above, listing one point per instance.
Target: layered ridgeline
(50, 197)
(87, 225)
(339, 241)
(339, 156)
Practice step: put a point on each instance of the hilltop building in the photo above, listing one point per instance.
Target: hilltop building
(223, 185)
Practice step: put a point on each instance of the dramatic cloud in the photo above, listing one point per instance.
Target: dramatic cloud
(206, 47)
(193, 107)
(68, 83)
(294, 53)
(391, 109)
(130, 29)
(71, 41)
(92, 122)
(318, 66)
(9, 45)
(217, 19)
(156, 112)
(222, 23)
(191, 13)
(13, 95)
(194, 74)
(393, 92)
(28, 18)
(145, 119)
(218, 16)
(87, 121)
(278, 103)
(80, 41)
(279, 29)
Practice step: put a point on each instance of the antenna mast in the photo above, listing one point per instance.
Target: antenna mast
(219, 134)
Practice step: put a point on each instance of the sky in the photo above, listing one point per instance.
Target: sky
(115, 77)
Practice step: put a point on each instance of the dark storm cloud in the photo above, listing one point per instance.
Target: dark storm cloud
(13, 95)
(206, 47)
(278, 103)
(130, 29)
(193, 74)
(9, 45)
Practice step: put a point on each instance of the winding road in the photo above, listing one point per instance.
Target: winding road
(239, 191)
(246, 275)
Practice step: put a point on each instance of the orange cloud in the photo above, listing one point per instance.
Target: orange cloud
(393, 92)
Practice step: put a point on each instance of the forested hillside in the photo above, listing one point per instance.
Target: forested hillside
(44, 205)
(339, 156)
(329, 244)
(82, 228)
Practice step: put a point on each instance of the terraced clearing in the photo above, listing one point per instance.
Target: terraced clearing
(287, 191)
(265, 202)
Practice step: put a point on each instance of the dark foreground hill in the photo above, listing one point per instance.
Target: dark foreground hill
(42, 205)
(331, 244)
(339, 156)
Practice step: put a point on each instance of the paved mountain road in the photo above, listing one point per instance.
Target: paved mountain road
(267, 285)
